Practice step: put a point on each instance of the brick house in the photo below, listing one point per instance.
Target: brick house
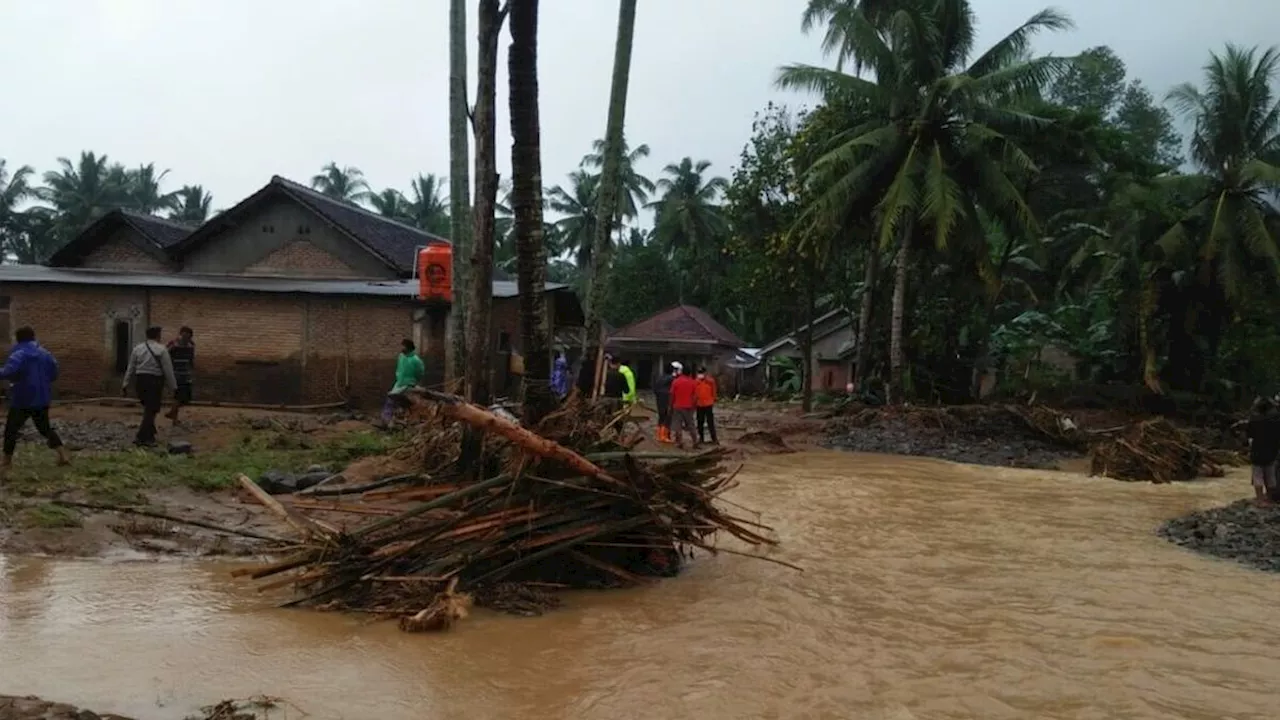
(682, 333)
(835, 341)
(295, 299)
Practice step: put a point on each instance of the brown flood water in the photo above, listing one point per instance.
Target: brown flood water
(932, 591)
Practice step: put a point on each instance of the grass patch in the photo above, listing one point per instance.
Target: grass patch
(125, 476)
(46, 515)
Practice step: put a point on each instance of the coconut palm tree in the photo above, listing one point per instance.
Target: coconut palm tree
(687, 214)
(607, 200)
(14, 188)
(428, 207)
(32, 236)
(460, 184)
(1236, 145)
(940, 139)
(343, 183)
(191, 205)
(390, 203)
(527, 207)
(82, 191)
(635, 189)
(577, 208)
(143, 190)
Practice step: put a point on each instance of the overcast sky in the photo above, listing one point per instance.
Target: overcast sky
(226, 93)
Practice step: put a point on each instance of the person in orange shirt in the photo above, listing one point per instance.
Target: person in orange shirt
(705, 394)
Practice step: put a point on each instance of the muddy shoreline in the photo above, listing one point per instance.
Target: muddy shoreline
(13, 707)
(1241, 531)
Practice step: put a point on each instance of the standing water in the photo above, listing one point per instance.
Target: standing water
(931, 590)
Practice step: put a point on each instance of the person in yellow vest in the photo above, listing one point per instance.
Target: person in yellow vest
(629, 396)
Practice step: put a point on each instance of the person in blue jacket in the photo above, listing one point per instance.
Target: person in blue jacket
(30, 371)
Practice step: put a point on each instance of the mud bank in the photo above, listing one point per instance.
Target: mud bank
(978, 435)
(1240, 531)
(33, 708)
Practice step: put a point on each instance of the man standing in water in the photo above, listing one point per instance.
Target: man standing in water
(183, 354)
(31, 371)
(152, 368)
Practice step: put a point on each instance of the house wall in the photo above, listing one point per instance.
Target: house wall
(121, 252)
(251, 347)
(286, 239)
(830, 372)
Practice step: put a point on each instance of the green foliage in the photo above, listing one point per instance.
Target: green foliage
(643, 284)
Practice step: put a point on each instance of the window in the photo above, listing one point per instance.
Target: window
(827, 384)
(123, 344)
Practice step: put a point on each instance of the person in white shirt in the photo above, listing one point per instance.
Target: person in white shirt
(151, 369)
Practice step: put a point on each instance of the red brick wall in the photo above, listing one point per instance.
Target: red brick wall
(251, 347)
(120, 252)
(299, 257)
(72, 322)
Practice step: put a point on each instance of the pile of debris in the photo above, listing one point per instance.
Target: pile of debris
(1154, 450)
(567, 505)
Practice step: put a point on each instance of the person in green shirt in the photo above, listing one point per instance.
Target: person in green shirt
(409, 373)
(628, 397)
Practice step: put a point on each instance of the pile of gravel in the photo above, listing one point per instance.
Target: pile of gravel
(976, 444)
(1241, 531)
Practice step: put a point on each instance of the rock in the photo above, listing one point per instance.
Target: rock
(277, 482)
(260, 423)
(319, 469)
(1240, 531)
(311, 479)
(179, 447)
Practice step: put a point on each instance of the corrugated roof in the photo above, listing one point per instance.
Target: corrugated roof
(680, 323)
(380, 288)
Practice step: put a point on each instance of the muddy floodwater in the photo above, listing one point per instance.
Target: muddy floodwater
(932, 591)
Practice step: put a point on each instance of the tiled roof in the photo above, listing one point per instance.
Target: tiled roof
(394, 242)
(159, 236)
(162, 232)
(680, 323)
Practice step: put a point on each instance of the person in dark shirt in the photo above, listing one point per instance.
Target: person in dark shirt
(183, 354)
(1264, 448)
(662, 397)
(615, 384)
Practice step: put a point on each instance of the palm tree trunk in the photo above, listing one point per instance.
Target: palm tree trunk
(607, 202)
(459, 190)
(526, 204)
(897, 357)
(862, 350)
(479, 347)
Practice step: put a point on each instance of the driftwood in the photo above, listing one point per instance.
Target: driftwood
(569, 506)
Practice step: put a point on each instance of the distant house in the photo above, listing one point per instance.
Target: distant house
(682, 333)
(834, 347)
(295, 298)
